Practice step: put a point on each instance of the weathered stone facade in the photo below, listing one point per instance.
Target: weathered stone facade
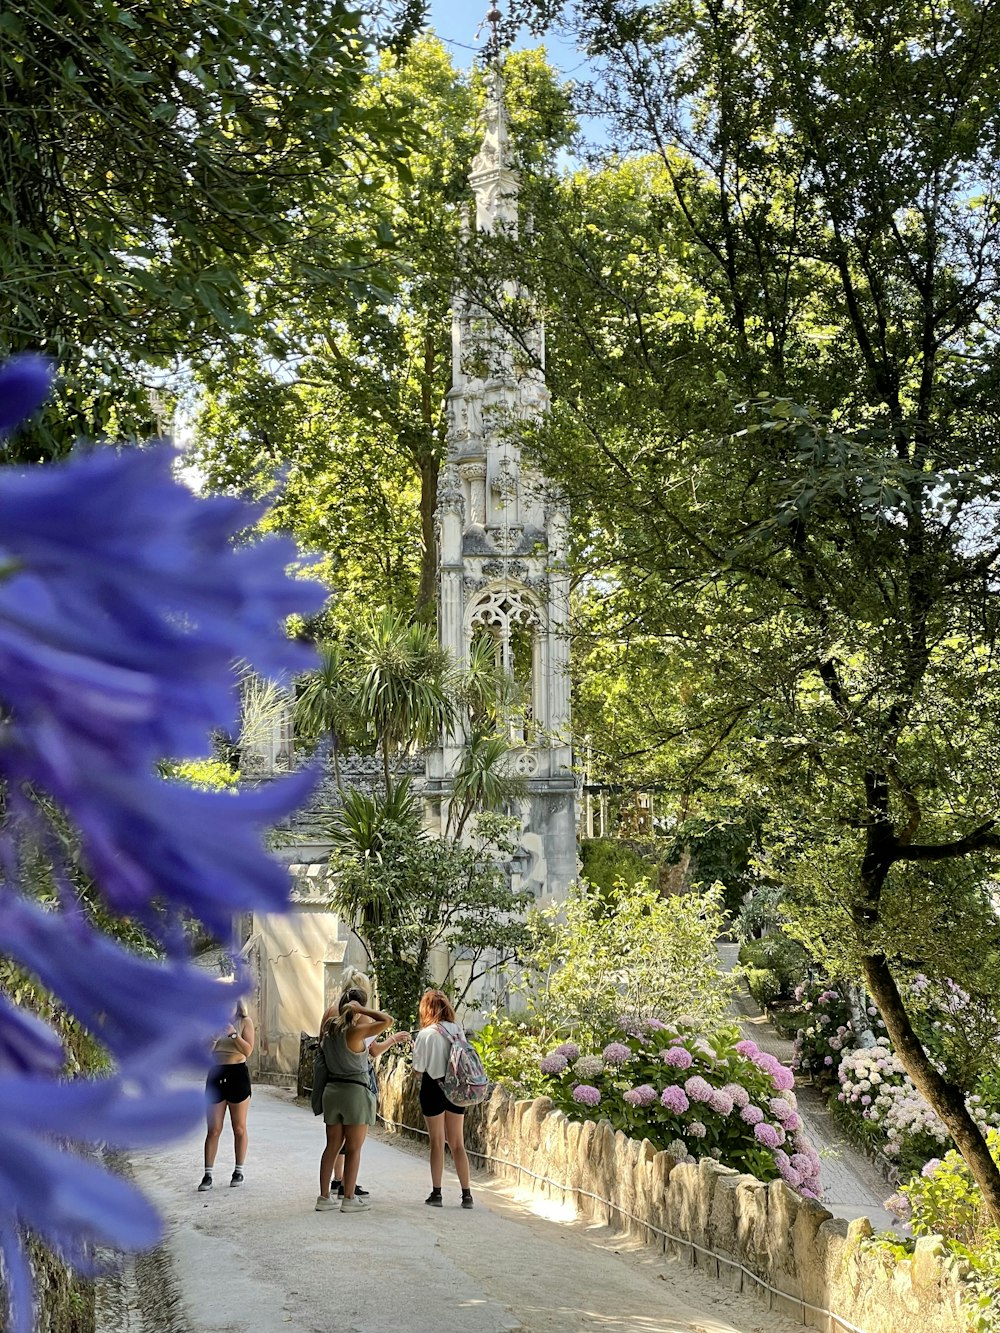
(502, 541)
(764, 1239)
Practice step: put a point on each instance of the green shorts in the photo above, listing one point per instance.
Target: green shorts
(348, 1104)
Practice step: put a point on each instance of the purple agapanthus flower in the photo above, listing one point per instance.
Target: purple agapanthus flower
(125, 602)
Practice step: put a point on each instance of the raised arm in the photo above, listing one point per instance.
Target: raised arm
(380, 1047)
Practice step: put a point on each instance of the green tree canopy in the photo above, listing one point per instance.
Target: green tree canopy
(154, 156)
(353, 425)
(773, 330)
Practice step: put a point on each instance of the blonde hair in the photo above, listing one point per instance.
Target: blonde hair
(353, 979)
(334, 1016)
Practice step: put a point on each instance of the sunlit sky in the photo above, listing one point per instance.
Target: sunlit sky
(456, 22)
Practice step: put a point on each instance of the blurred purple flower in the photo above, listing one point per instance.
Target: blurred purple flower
(752, 1115)
(553, 1063)
(125, 604)
(24, 386)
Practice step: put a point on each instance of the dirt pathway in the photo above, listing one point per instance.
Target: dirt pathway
(259, 1259)
(853, 1186)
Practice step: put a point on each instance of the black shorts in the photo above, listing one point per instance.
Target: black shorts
(228, 1083)
(432, 1099)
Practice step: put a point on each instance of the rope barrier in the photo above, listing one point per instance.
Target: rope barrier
(803, 1305)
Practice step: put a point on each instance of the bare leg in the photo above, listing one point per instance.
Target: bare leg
(338, 1168)
(334, 1143)
(216, 1119)
(241, 1139)
(454, 1129)
(435, 1132)
(354, 1137)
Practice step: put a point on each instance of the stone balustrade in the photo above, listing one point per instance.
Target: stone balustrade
(764, 1239)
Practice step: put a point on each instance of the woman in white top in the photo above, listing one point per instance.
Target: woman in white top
(445, 1122)
(228, 1086)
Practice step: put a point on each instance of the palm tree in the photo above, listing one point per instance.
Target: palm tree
(406, 686)
(327, 704)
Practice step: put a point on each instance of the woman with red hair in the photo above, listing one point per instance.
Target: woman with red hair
(445, 1122)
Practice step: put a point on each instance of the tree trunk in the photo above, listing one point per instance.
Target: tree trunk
(946, 1099)
(427, 593)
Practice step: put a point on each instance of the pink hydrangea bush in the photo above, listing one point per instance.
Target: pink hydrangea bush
(828, 1032)
(691, 1094)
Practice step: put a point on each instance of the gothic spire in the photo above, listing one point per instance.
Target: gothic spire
(493, 177)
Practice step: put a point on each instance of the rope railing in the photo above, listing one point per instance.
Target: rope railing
(835, 1321)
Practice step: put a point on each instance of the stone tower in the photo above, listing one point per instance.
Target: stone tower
(502, 533)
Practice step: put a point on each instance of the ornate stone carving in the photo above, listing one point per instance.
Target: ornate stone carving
(525, 764)
(504, 485)
(503, 607)
(508, 537)
(450, 496)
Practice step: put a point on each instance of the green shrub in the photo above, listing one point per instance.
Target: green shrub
(944, 1200)
(597, 956)
(778, 954)
(510, 1050)
(607, 861)
(764, 985)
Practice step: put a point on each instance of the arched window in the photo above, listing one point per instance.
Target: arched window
(511, 621)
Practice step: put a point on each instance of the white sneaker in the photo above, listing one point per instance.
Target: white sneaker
(355, 1205)
(323, 1205)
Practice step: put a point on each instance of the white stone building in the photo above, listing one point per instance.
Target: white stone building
(502, 536)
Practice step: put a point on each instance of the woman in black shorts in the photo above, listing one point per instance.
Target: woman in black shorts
(228, 1085)
(444, 1121)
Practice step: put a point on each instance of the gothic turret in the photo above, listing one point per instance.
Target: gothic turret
(502, 532)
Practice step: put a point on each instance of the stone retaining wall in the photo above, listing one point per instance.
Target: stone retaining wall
(790, 1243)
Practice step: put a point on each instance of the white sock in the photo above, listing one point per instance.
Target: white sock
(241, 1168)
(208, 1171)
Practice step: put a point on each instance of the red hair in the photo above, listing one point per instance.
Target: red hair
(435, 1007)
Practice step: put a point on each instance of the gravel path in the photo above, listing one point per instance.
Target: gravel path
(259, 1259)
(853, 1186)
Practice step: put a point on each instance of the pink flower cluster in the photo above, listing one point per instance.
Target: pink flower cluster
(586, 1095)
(643, 1095)
(569, 1049)
(615, 1053)
(674, 1099)
(678, 1057)
(553, 1064)
(699, 1089)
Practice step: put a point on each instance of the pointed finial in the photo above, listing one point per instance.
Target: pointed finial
(492, 22)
